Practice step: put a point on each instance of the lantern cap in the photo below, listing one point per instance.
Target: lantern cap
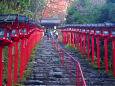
(31, 22)
(8, 17)
(100, 25)
(109, 24)
(12, 18)
(22, 19)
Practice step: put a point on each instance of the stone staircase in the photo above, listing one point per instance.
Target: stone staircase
(46, 68)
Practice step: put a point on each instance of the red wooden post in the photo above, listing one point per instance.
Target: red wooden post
(25, 41)
(1, 64)
(78, 42)
(27, 50)
(16, 63)
(73, 39)
(76, 73)
(10, 64)
(68, 38)
(84, 44)
(81, 44)
(98, 53)
(93, 49)
(88, 47)
(65, 37)
(21, 59)
(114, 58)
(106, 55)
(42, 35)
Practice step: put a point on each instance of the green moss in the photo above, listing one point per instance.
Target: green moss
(32, 56)
(93, 65)
(17, 85)
(29, 64)
(69, 46)
(110, 73)
(27, 73)
(22, 79)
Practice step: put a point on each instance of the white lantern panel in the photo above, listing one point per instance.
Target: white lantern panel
(88, 30)
(83, 30)
(77, 29)
(24, 30)
(2, 30)
(113, 33)
(92, 31)
(105, 33)
(98, 32)
(14, 32)
(8, 34)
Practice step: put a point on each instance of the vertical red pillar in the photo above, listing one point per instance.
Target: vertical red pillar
(62, 37)
(42, 35)
(73, 39)
(1, 64)
(98, 53)
(25, 52)
(88, 47)
(93, 49)
(21, 59)
(106, 55)
(68, 38)
(10, 63)
(84, 44)
(16, 63)
(78, 42)
(81, 44)
(65, 38)
(114, 58)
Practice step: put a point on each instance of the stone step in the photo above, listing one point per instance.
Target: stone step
(33, 82)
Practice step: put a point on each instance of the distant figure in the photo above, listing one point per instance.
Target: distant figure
(56, 35)
(48, 35)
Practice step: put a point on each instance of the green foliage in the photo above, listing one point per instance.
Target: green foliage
(110, 1)
(69, 46)
(82, 12)
(22, 79)
(17, 85)
(107, 13)
(5, 69)
(32, 57)
(29, 8)
(27, 73)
